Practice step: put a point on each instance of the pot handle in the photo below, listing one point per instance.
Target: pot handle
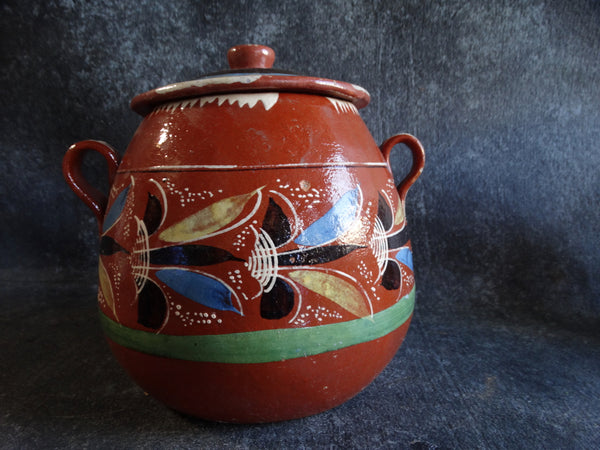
(418, 160)
(72, 161)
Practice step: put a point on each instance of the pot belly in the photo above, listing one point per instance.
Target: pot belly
(261, 392)
(255, 273)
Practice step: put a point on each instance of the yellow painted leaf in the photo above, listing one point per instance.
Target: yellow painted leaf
(399, 217)
(106, 287)
(207, 220)
(334, 288)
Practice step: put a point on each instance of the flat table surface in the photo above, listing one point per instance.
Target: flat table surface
(459, 381)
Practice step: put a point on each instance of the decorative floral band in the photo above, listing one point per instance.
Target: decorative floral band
(285, 258)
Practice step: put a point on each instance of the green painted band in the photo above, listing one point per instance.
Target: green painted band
(264, 345)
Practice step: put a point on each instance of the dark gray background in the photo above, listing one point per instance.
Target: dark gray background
(504, 95)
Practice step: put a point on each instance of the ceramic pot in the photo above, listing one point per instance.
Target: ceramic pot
(254, 262)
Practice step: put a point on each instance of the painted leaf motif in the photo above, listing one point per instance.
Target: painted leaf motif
(384, 212)
(405, 257)
(276, 224)
(199, 288)
(399, 216)
(333, 223)
(398, 239)
(190, 255)
(106, 287)
(391, 277)
(115, 210)
(207, 220)
(152, 306)
(315, 255)
(335, 289)
(153, 214)
(278, 302)
(108, 246)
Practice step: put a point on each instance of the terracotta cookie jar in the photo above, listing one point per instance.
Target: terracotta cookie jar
(254, 263)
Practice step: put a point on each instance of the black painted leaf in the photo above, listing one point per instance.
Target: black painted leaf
(384, 212)
(315, 255)
(276, 224)
(153, 214)
(108, 246)
(152, 306)
(278, 302)
(397, 240)
(391, 276)
(190, 255)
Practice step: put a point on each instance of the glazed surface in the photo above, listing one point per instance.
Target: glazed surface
(253, 249)
(255, 235)
(292, 222)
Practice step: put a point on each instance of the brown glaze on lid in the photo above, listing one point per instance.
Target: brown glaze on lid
(251, 71)
(250, 57)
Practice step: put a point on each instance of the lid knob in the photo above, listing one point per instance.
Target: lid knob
(250, 57)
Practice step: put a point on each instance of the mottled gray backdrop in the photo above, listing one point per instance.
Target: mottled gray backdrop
(504, 95)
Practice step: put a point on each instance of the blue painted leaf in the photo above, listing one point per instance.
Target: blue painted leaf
(334, 223)
(197, 287)
(115, 210)
(405, 257)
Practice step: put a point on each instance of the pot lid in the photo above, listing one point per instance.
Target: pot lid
(251, 71)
